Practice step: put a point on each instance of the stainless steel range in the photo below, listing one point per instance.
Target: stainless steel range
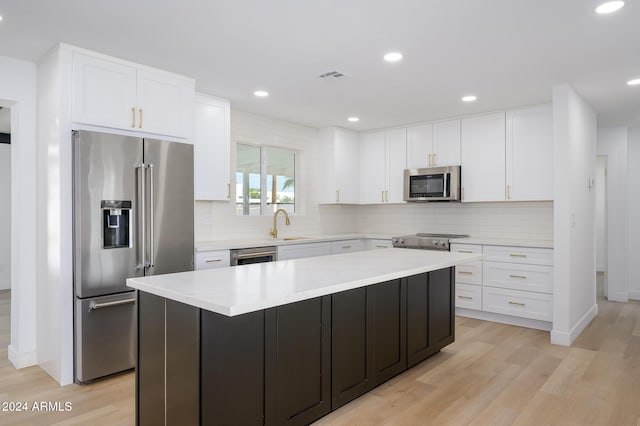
(425, 241)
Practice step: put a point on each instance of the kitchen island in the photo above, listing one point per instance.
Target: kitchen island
(287, 342)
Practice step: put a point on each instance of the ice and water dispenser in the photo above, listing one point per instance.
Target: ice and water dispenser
(116, 223)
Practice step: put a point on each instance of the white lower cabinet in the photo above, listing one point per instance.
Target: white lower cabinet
(468, 296)
(212, 259)
(514, 281)
(347, 246)
(298, 251)
(373, 244)
(526, 304)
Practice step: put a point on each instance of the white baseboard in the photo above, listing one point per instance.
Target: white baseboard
(634, 294)
(21, 359)
(620, 296)
(504, 319)
(564, 338)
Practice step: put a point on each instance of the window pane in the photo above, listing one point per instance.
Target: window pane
(280, 180)
(247, 179)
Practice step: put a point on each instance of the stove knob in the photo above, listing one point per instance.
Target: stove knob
(434, 242)
(443, 243)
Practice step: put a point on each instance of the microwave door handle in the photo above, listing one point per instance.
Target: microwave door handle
(446, 185)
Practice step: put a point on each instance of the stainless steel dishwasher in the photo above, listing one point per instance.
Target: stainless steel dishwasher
(253, 255)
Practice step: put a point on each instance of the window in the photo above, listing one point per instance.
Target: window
(265, 180)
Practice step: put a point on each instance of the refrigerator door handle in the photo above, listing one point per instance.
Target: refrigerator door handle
(93, 305)
(152, 255)
(140, 169)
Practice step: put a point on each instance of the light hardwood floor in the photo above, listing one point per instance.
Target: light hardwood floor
(493, 374)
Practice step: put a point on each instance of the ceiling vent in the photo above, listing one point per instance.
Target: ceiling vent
(331, 75)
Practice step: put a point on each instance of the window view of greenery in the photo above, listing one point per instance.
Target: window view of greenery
(259, 168)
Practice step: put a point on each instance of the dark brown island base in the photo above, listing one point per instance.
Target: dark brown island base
(287, 365)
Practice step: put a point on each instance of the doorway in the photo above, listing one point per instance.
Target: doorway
(5, 231)
(601, 222)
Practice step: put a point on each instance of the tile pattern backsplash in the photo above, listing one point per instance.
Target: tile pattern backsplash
(218, 220)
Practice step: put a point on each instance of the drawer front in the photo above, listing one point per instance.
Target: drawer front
(465, 248)
(527, 255)
(468, 296)
(212, 259)
(298, 251)
(378, 244)
(518, 303)
(519, 277)
(469, 273)
(346, 246)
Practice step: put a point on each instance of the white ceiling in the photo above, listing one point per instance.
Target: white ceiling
(508, 52)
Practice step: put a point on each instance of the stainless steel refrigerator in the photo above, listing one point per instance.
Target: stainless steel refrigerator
(133, 216)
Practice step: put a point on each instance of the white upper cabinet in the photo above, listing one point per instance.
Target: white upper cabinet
(483, 158)
(211, 148)
(373, 163)
(419, 146)
(446, 143)
(382, 163)
(121, 95)
(433, 145)
(529, 154)
(338, 166)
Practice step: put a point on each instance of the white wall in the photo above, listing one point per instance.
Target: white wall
(601, 214)
(633, 212)
(55, 286)
(218, 220)
(525, 220)
(574, 140)
(612, 142)
(5, 216)
(18, 91)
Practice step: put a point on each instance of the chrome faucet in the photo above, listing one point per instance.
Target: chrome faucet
(274, 231)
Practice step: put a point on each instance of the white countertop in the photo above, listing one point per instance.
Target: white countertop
(242, 289)
(503, 242)
(301, 239)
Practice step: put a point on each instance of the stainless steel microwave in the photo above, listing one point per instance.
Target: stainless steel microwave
(432, 184)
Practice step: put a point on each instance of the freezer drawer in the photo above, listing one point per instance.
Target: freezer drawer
(105, 334)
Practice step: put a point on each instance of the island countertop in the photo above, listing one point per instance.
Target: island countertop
(242, 289)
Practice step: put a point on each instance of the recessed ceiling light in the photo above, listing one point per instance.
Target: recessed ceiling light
(0, 18)
(469, 98)
(393, 57)
(634, 82)
(353, 119)
(609, 7)
(261, 93)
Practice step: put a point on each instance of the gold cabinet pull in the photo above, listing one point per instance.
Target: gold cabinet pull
(518, 255)
(465, 297)
(386, 196)
(435, 158)
(337, 195)
(430, 159)
(213, 260)
(140, 125)
(381, 246)
(382, 196)
(511, 302)
(228, 191)
(133, 117)
(465, 272)
(508, 192)
(465, 251)
(518, 276)
(346, 247)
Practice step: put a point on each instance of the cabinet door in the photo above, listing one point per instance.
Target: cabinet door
(388, 329)
(346, 167)
(441, 307)
(347, 246)
(298, 362)
(529, 149)
(420, 146)
(396, 153)
(165, 103)
(483, 158)
(299, 251)
(446, 143)
(104, 92)
(372, 168)
(212, 259)
(232, 369)
(211, 149)
(351, 346)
